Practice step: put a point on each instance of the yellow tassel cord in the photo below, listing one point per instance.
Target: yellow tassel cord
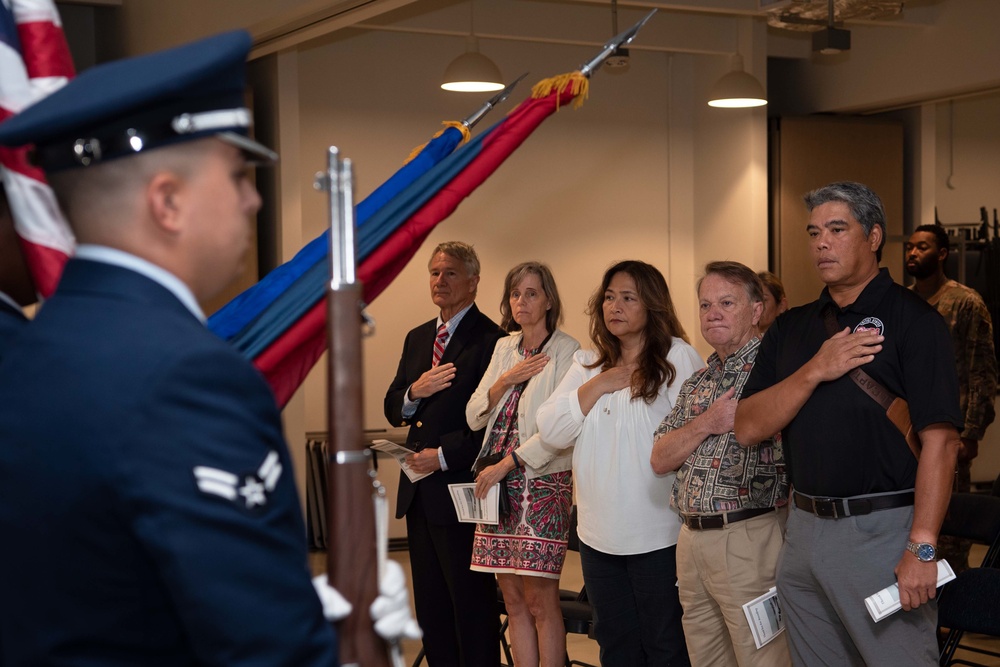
(458, 125)
(577, 83)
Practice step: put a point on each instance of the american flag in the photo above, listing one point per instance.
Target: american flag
(34, 61)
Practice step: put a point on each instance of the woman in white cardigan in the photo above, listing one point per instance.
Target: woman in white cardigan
(527, 548)
(608, 406)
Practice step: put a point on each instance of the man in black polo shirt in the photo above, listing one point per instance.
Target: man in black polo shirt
(864, 512)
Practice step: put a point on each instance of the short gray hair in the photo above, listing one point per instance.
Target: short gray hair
(463, 252)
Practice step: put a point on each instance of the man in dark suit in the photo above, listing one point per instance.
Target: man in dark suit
(441, 365)
(149, 513)
(16, 287)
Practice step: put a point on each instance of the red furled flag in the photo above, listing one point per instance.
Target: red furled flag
(34, 61)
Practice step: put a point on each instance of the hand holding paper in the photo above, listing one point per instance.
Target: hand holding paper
(399, 453)
(886, 601)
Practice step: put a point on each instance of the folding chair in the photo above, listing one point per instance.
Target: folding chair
(976, 517)
(973, 517)
(970, 604)
(578, 613)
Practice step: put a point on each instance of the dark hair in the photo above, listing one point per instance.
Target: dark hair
(554, 314)
(736, 273)
(943, 242)
(773, 285)
(661, 324)
(865, 205)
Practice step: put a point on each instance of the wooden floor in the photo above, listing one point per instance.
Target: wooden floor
(581, 648)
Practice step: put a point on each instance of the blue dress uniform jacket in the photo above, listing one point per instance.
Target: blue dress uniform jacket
(149, 514)
(11, 322)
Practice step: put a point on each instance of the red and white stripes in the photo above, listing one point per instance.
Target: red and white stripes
(34, 61)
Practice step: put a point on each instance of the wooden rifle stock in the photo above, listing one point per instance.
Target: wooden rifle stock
(352, 564)
(351, 559)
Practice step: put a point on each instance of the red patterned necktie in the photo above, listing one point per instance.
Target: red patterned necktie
(439, 342)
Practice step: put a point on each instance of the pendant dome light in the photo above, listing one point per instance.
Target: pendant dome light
(737, 89)
(472, 72)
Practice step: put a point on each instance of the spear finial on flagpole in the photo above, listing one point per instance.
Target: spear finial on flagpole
(617, 42)
(477, 116)
(465, 126)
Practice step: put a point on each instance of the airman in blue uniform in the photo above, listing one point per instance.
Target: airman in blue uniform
(149, 514)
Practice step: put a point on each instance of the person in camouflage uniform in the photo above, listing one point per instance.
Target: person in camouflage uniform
(972, 331)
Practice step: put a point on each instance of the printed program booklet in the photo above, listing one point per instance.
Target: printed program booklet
(886, 601)
(399, 453)
(473, 510)
(764, 616)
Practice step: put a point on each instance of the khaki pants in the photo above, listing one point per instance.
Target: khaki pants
(718, 571)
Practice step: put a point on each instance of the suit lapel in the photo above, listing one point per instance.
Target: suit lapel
(460, 338)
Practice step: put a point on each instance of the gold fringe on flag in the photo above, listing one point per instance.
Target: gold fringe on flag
(577, 83)
(458, 125)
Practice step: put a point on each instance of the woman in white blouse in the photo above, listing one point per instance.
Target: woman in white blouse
(527, 548)
(609, 404)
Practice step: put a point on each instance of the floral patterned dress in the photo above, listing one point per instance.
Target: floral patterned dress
(531, 540)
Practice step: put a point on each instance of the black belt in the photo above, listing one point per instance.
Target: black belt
(836, 508)
(708, 521)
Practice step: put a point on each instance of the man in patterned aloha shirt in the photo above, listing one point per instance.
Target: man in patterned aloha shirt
(727, 495)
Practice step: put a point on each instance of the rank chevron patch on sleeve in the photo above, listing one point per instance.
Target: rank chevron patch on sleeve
(248, 489)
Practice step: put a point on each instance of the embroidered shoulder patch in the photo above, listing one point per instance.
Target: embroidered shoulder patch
(246, 489)
(870, 324)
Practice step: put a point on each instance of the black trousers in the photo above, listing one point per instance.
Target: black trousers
(456, 607)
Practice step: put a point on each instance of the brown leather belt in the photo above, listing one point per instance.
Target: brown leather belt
(836, 508)
(710, 521)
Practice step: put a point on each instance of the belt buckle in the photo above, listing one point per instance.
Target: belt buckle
(825, 507)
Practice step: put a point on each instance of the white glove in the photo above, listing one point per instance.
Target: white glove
(391, 609)
(335, 607)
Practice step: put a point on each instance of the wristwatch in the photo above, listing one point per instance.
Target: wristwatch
(925, 552)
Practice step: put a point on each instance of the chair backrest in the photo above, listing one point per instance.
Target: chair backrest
(573, 541)
(969, 602)
(976, 517)
(972, 516)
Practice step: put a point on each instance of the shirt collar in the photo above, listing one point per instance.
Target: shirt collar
(455, 320)
(742, 356)
(869, 298)
(159, 275)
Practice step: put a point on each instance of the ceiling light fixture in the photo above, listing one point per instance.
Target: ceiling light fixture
(737, 89)
(618, 61)
(472, 72)
(831, 40)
